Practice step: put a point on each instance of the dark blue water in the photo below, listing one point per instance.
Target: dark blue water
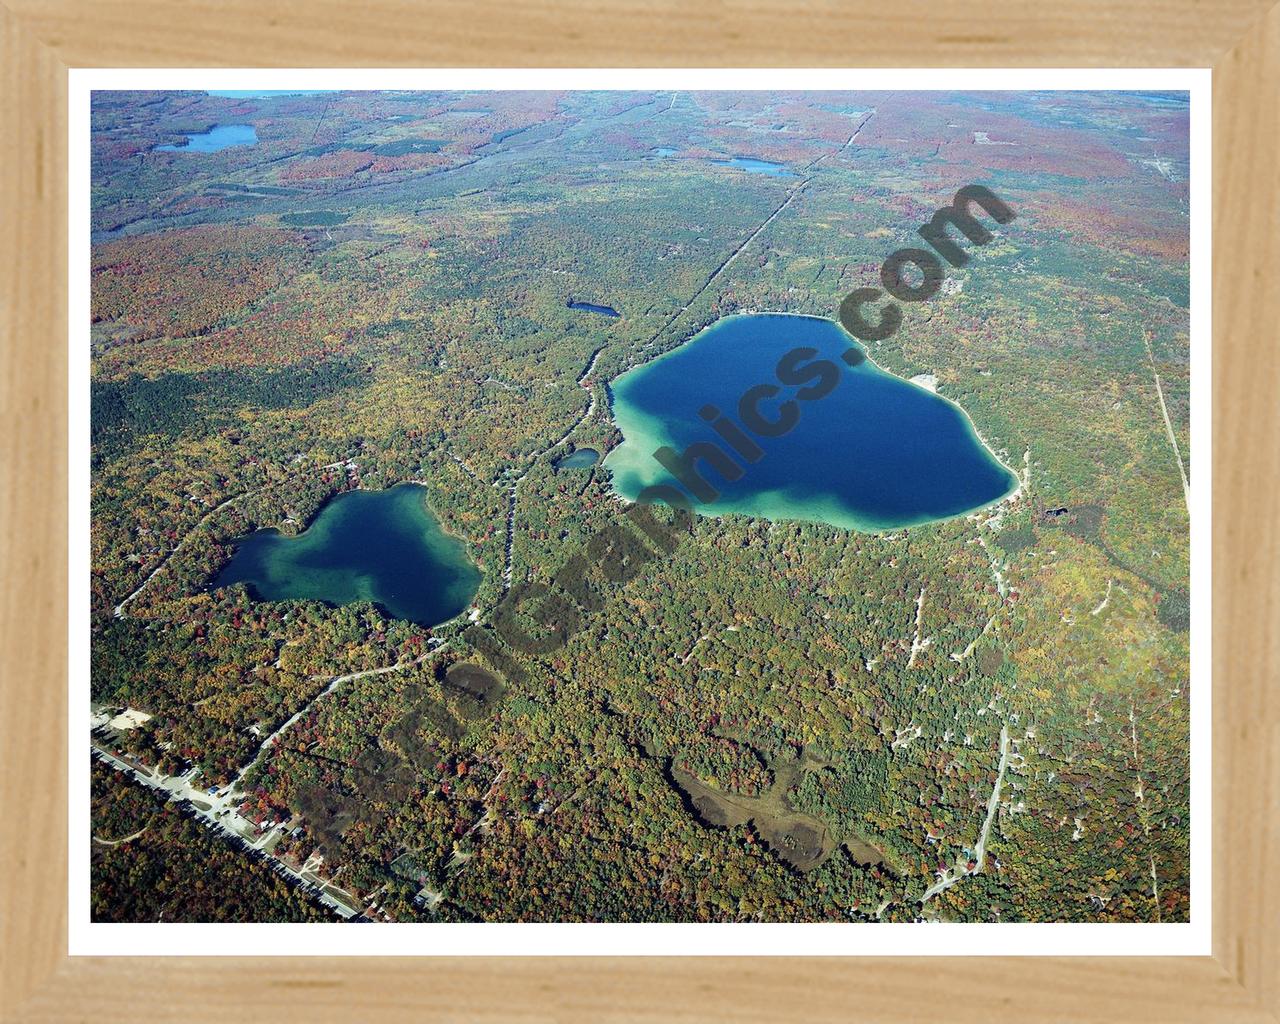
(593, 308)
(379, 546)
(874, 453)
(756, 166)
(222, 136)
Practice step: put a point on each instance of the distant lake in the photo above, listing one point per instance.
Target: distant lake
(756, 166)
(875, 453)
(253, 94)
(591, 307)
(379, 546)
(579, 458)
(664, 151)
(222, 136)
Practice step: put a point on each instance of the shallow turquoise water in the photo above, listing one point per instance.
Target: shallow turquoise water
(379, 546)
(874, 453)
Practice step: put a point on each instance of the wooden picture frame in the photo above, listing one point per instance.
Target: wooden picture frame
(42, 39)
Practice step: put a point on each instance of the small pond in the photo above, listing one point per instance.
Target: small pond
(591, 307)
(751, 166)
(579, 458)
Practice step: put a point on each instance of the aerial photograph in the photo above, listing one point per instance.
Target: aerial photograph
(639, 506)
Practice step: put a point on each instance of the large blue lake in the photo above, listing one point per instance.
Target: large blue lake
(874, 453)
(221, 136)
(379, 546)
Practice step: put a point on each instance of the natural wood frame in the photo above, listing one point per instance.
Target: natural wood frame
(41, 39)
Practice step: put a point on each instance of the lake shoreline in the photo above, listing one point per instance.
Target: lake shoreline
(389, 548)
(847, 522)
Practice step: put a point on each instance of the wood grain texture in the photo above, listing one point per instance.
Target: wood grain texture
(657, 33)
(40, 38)
(33, 511)
(1246, 549)
(650, 991)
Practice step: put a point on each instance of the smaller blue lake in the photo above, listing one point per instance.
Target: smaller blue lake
(579, 458)
(380, 546)
(591, 307)
(222, 136)
(751, 166)
(664, 151)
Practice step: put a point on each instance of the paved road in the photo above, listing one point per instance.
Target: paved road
(220, 816)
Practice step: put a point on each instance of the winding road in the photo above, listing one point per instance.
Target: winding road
(119, 609)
